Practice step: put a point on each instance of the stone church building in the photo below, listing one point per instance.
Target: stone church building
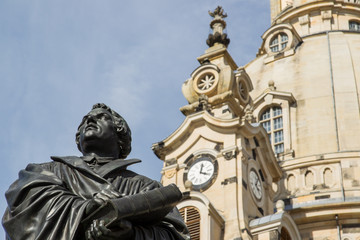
(271, 150)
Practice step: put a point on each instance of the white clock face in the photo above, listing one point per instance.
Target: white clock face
(255, 184)
(200, 172)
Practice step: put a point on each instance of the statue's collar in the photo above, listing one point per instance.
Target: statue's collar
(93, 160)
(111, 165)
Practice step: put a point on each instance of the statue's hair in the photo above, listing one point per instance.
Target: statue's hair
(122, 130)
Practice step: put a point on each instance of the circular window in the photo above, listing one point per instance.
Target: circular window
(206, 82)
(243, 91)
(279, 42)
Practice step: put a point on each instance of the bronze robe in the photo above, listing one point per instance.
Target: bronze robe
(48, 201)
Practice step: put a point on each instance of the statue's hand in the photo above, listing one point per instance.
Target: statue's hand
(105, 195)
(99, 199)
(98, 231)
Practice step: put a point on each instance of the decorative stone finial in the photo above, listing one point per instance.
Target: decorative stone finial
(218, 25)
(188, 185)
(280, 206)
(271, 85)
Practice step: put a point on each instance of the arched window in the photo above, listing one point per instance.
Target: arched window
(354, 26)
(191, 216)
(272, 121)
(279, 42)
(291, 183)
(309, 179)
(328, 178)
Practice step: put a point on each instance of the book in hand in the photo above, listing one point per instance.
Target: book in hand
(142, 208)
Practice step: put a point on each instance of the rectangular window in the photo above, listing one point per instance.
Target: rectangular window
(272, 121)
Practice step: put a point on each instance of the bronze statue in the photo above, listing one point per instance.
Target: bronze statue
(93, 197)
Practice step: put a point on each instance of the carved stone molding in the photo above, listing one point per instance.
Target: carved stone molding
(230, 153)
(169, 162)
(170, 173)
(326, 15)
(229, 180)
(304, 19)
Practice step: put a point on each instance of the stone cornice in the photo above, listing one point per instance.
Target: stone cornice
(290, 13)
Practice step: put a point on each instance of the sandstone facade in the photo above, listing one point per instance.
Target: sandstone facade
(271, 150)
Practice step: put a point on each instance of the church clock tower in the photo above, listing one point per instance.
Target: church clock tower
(297, 125)
(219, 157)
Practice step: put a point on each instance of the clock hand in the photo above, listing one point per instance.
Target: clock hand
(258, 186)
(202, 165)
(201, 168)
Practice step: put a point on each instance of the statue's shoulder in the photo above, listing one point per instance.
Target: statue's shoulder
(55, 165)
(67, 159)
(147, 182)
(40, 166)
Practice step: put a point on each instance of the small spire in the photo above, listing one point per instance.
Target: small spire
(218, 25)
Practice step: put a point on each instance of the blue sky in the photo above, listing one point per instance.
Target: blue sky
(58, 58)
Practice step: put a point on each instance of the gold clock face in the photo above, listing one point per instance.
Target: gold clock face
(255, 184)
(201, 171)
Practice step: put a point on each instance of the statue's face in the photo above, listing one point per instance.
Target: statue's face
(98, 131)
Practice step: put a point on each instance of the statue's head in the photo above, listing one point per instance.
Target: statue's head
(104, 129)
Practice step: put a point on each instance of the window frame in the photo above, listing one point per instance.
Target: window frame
(269, 98)
(272, 130)
(192, 223)
(355, 22)
(279, 44)
(293, 40)
(210, 218)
